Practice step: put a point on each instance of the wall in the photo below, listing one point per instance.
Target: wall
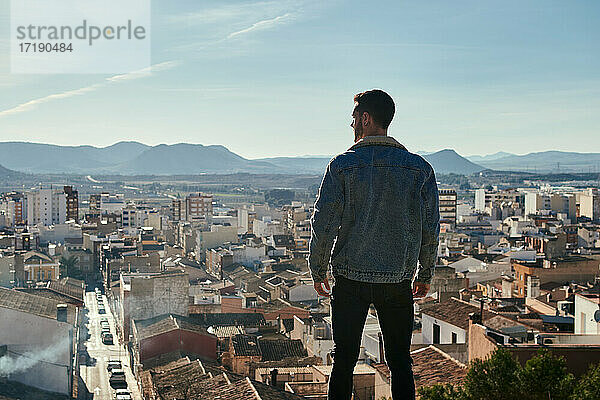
(446, 330)
(584, 316)
(185, 341)
(45, 338)
(479, 346)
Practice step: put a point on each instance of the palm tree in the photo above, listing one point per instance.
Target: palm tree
(68, 264)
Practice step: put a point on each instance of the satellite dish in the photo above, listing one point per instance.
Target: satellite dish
(597, 316)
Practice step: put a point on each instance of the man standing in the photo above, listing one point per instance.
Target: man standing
(377, 208)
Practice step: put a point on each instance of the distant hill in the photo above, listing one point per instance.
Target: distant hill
(443, 162)
(547, 161)
(184, 158)
(49, 158)
(450, 162)
(6, 174)
(488, 157)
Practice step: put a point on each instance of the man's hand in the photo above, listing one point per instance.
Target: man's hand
(420, 289)
(326, 292)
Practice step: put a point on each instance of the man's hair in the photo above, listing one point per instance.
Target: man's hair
(378, 104)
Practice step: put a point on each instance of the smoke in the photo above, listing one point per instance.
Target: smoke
(15, 360)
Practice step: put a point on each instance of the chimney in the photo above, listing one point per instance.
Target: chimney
(475, 318)
(274, 373)
(381, 350)
(61, 312)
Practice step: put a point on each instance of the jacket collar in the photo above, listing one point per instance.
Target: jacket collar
(377, 141)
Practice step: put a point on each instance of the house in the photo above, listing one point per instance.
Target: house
(448, 321)
(169, 333)
(431, 366)
(247, 352)
(40, 267)
(42, 357)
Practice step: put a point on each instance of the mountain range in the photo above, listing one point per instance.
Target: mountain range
(541, 162)
(134, 158)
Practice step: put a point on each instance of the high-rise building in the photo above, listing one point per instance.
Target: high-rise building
(198, 205)
(589, 204)
(72, 203)
(13, 205)
(178, 210)
(447, 206)
(486, 200)
(46, 207)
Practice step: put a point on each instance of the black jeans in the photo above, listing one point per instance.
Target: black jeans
(350, 303)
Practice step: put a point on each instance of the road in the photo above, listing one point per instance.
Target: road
(93, 372)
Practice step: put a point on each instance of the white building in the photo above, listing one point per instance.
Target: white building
(217, 236)
(40, 337)
(536, 203)
(267, 227)
(589, 204)
(46, 207)
(586, 307)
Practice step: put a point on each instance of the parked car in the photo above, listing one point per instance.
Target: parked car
(101, 310)
(107, 338)
(117, 378)
(114, 364)
(122, 394)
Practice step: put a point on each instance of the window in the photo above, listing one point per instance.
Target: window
(454, 337)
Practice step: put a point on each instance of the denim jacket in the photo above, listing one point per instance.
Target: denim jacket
(378, 209)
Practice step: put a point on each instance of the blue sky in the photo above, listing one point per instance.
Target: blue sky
(276, 78)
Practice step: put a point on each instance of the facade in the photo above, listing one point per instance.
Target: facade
(52, 343)
(486, 200)
(72, 198)
(40, 267)
(13, 205)
(171, 333)
(567, 269)
(589, 204)
(46, 207)
(148, 295)
(198, 206)
(535, 203)
(447, 206)
(586, 307)
(218, 235)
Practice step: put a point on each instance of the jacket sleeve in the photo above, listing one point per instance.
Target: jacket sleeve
(325, 222)
(430, 230)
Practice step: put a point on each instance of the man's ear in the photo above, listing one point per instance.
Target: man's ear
(366, 119)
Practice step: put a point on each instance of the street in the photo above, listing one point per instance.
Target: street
(93, 370)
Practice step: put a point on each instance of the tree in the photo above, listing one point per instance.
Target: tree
(441, 392)
(67, 265)
(501, 377)
(545, 377)
(495, 378)
(588, 387)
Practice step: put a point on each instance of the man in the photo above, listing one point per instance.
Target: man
(377, 208)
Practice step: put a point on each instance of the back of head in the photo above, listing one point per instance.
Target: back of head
(378, 104)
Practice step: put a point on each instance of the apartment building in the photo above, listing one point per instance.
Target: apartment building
(447, 206)
(46, 207)
(72, 200)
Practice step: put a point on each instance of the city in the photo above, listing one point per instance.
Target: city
(150, 291)
(299, 199)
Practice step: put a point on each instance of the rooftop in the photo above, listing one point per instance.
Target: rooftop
(32, 304)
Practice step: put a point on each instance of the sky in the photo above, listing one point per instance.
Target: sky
(277, 78)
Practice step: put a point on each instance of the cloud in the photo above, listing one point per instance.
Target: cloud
(145, 72)
(264, 24)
